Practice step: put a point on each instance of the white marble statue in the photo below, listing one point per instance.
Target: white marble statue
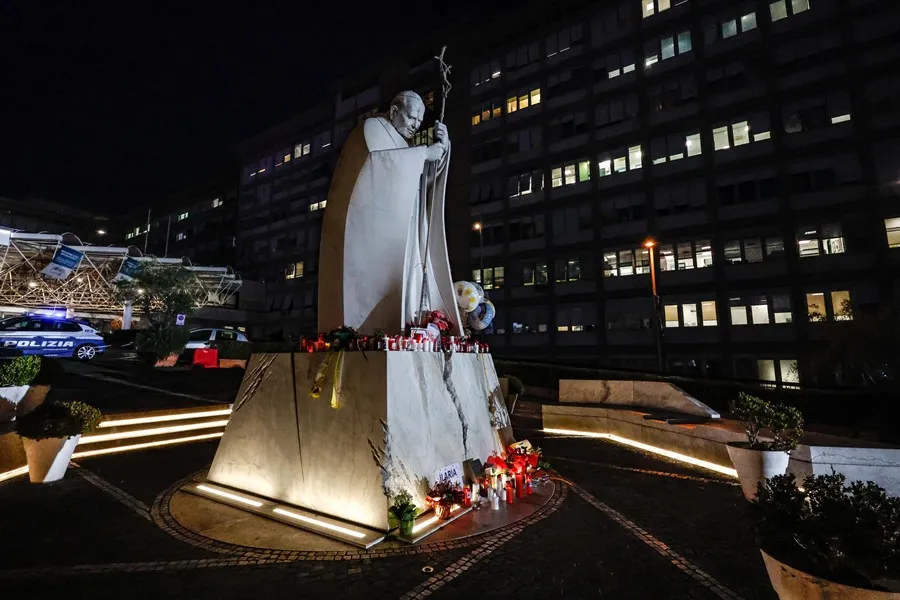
(385, 215)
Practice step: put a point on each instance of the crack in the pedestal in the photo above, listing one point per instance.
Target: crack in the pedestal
(451, 389)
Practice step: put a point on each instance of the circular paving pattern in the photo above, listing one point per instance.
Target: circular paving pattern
(226, 530)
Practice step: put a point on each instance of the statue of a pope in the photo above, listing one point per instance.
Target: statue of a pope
(385, 216)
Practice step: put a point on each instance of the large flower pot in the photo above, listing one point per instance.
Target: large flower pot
(48, 459)
(754, 466)
(9, 400)
(406, 526)
(791, 584)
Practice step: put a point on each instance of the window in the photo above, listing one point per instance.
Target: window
(424, 137)
(567, 269)
(486, 111)
(566, 126)
(217, 202)
(892, 227)
(825, 239)
(686, 255)
(761, 309)
(526, 228)
(674, 147)
(493, 277)
(317, 205)
(840, 303)
(294, 270)
(485, 73)
(575, 318)
(634, 157)
(487, 150)
(620, 63)
(779, 9)
(563, 40)
(526, 183)
(182, 216)
(781, 308)
(181, 235)
(522, 56)
(201, 335)
(815, 307)
(626, 262)
(622, 161)
(534, 274)
(748, 22)
(729, 29)
(693, 314)
(525, 97)
(753, 250)
(570, 174)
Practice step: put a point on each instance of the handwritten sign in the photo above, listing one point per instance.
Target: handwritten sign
(452, 473)
(524, 444)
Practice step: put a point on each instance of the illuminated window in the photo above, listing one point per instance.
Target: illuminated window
(840, 119)
(825, 239)
(217, 202)
(183, 216)
(892, 227)
(306, 149)
(671, 315)
(708, 313)
(604, 168)
(584, 170)
(534, 274)
(570, 174)
(748, 22)
(815, 307)
(294, 270)
(567, 270)
(840, 303)
(493, 277)
(317, 205)
(720, 138)
(287, 157)
(740, 133)
(535, 96)
(523, 99)
(685, 256)
(781, 308)
(526, 183)
(689, 315)
(798, 6)
(692, 143)
(634, 157)
(181, 235)
(619, 164)
(729, 29)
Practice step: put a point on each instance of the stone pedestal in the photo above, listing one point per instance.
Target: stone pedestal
(399, 416)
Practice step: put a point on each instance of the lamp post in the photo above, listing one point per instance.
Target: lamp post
(651, 244)
(477, 227)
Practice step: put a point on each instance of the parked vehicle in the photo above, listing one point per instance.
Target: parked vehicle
(207, 338)
(51, 336)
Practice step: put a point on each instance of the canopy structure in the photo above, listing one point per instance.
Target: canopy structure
(89, 287)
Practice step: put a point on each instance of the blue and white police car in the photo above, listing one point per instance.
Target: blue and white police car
(51, 336)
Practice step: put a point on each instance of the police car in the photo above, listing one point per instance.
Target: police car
(51, 336)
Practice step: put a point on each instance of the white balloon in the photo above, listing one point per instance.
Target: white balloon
(468, 295)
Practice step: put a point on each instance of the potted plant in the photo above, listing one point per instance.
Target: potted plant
(162, 343)
(16, 374)
(50, 433)
(829, 540)
(514, 387)
(756, 460)
(403, 513)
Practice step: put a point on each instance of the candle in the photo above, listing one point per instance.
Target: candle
(467, 496)
(503, 494)
(495, 501)
(509, 493)
(475, 491)
(520, 485)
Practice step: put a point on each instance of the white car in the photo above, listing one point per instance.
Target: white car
(206, 338)
(51, 336)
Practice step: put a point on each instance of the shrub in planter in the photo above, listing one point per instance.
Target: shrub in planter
(403, 512)
(16, 374)
(161, 340)
(756, 460)
(516, 386)
(847, 535)
(50, 433)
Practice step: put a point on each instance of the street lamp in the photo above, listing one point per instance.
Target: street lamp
(101, 232)
(651, 244)
(477, 227)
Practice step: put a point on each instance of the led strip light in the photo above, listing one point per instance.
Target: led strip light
(164, 418)
(428, 522)
(141, 446)
(318, 523)
(654, 449)
(123, 435)
(230, 496)
(13, 473)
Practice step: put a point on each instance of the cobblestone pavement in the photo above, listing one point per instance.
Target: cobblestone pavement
(625, 525)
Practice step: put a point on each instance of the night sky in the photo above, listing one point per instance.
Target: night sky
(106, 105)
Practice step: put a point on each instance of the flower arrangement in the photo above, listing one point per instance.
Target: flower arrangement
(443, 496)
(342, 338)
(440, 320)
(403, 511)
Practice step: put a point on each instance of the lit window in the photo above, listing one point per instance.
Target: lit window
(729, 29)
(708, 312)
(892, 227)
(294, 270)
(704, 254)
(306, 149)
(614, 73)
(738, 312)
(651, 60)
(778, 10)
(217, 202)
(748, 22)
(840, 304)
(628, 68)
(720, 138)
(183, 216)
(512, 106)
(287, 157)
(634, 157)
(815, 307)
(180, 236)
(476, 119)
(668, 47)
(798, 6)
(671, 315)
(535, 96)
(584, 171)
(619, 165)
(740, 133)
(781, 308)
(765, 135)
(827, 239)
(534, 274)
(128, 236)
(689, 314)
(692, 142)
(604, 168)
(840, 119)
(649, 8)
(298, 150)
(569, 174)
(684, 42)
(556, 177)
(759, 311)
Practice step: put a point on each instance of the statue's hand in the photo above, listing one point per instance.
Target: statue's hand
(437, 150)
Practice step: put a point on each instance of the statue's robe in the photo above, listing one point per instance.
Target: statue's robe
(375, 232)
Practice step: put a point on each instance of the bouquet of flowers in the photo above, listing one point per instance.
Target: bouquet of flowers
(342, 338)
(523, 458)
(440, 320)
(443, 496)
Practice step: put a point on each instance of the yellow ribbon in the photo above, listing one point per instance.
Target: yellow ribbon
(319, 383)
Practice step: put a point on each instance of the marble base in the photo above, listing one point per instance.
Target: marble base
(399, 417)
(656, 395)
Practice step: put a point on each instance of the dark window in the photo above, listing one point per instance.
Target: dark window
(14, 324)
(201, 335)
(768, 188)
(726, 194)
(747, 191)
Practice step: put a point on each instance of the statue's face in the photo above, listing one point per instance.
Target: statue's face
(406, 119)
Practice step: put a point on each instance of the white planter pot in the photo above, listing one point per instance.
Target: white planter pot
(48, 459)
(12, 396)
(754, 466)
(791, 584)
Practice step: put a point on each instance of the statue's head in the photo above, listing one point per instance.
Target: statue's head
(406, 113)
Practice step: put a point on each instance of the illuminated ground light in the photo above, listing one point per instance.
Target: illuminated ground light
(123, 435)
(142, 446)
(13, 473)
(428, 522)
(164, 418)
(229, 496)
(318, 523)
(653, 449)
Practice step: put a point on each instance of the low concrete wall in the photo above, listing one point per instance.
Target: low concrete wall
(657, 395)
(854, 459)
